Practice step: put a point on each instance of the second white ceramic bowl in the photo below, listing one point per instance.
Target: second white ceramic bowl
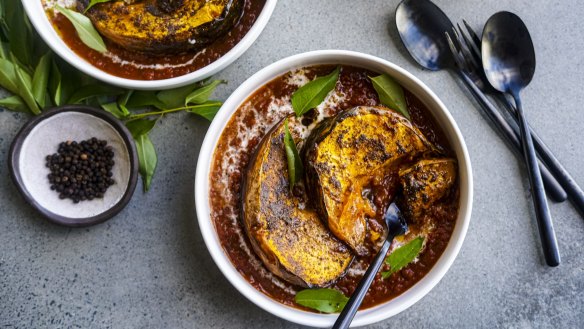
(36, 14)
(443, 118)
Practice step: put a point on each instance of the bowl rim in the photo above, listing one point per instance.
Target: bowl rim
(201, 189)
(37, 16)
(16, 175)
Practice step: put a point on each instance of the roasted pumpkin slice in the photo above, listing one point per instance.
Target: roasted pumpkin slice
(424, 183)
(163, 26)
(289, 238)
(342, 155)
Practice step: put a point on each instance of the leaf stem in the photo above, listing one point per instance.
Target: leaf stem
(161, 112)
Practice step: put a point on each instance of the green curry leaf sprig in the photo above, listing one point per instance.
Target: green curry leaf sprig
(37, 80)
(137, 107)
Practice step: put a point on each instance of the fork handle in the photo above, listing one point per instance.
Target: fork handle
(542, 211)
(563, 177)
(348, 313)
(552, 187)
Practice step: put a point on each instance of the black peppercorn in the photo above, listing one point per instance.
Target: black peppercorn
(81, 170)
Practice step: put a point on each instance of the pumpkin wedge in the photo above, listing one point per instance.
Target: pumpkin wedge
(344, 153)
(163, 26)
(290, 238)
(424, 183)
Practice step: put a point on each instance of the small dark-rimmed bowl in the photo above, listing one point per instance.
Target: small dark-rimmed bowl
(41, 137)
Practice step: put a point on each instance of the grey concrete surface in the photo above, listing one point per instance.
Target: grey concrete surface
(149, 268)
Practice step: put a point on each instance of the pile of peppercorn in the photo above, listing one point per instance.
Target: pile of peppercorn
(81, 171)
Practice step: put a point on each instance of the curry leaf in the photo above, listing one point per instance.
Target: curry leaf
(140, 127)
(55, 84)
(93, 90)
(95, 2)
(40, 79)
(173, 98)
(295, 168)
(20, 37)
(390, 93)
(4, 50)
(114, 109)
(325, 300)
(48, 101)
(123, 100)
(403, 255)
(97, 101)
(147, 159)
(3, 24)
(71, 82)
(24, 85)
(14, 103)
(85, 29)
(201, 95)
(313, 93)
(207, 110)
(8, 76)
(142, 98)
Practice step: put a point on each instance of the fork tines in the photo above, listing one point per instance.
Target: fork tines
(471, 49)
(456, 52)
(465, 47)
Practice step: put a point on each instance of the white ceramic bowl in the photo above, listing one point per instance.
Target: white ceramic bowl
(36, 14)
(440, 113)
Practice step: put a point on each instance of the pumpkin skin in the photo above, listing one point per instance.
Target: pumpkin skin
(290, 239)
(162, 27)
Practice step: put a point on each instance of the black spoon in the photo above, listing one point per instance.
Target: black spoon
(509, 63)
(396, 225)
(422, 27)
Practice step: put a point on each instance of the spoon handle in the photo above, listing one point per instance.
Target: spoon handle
(542, 212)
(560, 173)
(552, 187)
(346, 317)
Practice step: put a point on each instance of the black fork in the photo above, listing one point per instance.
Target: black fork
(470, 47)
(469, 73)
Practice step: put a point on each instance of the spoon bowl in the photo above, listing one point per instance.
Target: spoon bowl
(508, 53)
(421, 26)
